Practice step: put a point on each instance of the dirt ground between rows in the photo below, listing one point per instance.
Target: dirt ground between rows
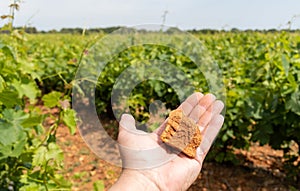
(261, 169)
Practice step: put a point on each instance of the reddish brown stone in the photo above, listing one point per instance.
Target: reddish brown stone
(182, 133)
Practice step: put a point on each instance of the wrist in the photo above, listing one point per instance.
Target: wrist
(134, 180)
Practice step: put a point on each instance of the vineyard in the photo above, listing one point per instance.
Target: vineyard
(260, 73)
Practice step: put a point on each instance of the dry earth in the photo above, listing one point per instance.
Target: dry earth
(261, 169)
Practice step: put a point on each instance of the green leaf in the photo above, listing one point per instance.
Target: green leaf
(98, 185)
(7, 50)
(285, 64)
(39, 156)
(10, 127)
(33, 121)
(9, 133)
(220, 157)
(12, 140)
(225, 137)
(2, 83)
(39, 129)
(19, 145)
(294, 103)
(262, 136)
(292, 81)
(15, 117)
(69, 119)
(52, 99)
(54, 153)
(63, 183)
(9, 98)
(230, 133)
(32, 187)
(29, 90)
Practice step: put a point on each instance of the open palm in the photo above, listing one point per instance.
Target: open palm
(179, 172)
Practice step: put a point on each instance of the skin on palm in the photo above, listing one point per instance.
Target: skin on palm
(179, 172)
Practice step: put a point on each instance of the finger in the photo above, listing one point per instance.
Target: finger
(187, 106)
(138, 149)
(191, 102)
(196, 113)
(131, 137)
(214, 109)
(203, 105)
(127, 122)
(207, 100)
(209, 135)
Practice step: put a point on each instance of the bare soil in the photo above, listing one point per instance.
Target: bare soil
(261, 169)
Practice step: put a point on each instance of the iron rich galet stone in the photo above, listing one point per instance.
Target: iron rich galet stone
(182, 133)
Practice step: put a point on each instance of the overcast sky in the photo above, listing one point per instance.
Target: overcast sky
(185, 14)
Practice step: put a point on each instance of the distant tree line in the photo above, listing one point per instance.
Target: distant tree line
(33, 30)
(235, 30)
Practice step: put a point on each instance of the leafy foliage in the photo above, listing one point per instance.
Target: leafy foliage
(262, 78)
(29, 155)
(261, 74)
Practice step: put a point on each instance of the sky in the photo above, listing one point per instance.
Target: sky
(187, 14)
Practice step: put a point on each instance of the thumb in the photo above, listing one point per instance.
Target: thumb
(126, 129)
(138, 149)
(209, 136)
(128, 134)
(127, 122)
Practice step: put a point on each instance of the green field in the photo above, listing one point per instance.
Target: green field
(260, 73)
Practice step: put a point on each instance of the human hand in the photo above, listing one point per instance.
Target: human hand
(179, 172)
